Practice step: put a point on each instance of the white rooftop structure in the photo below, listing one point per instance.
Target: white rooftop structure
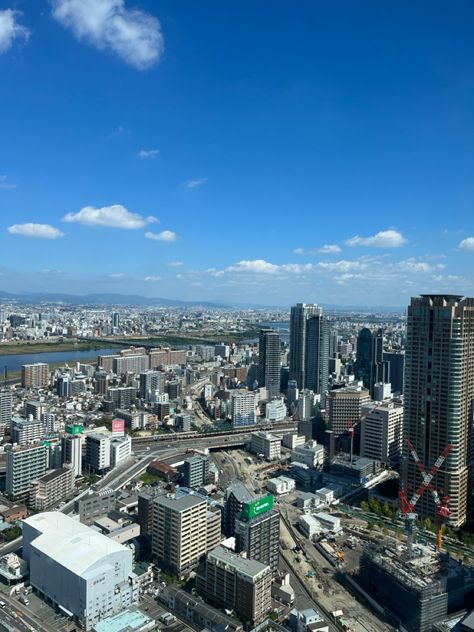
(85, 574)
(71, 543)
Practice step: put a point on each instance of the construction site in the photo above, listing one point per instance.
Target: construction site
(416, 585)
(419, 590)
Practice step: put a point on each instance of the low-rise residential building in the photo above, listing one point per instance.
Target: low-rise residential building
(328, 521)
(94, 504)
(309, 526)
(281, 485)
(49, 489)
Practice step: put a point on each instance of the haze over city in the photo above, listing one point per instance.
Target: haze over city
(258, 153)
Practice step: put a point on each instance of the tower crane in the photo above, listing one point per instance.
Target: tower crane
(350, 427)
(407, 507)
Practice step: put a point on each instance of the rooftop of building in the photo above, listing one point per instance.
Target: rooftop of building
(57, 473)
(241, 493)
(245, 566)
(179, 503)
(125, 621)
(70, 543)
(425, 569)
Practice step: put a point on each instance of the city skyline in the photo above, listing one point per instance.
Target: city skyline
(320, 155)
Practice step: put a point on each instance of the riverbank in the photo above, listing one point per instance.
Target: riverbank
(41, 346)
(27, 347)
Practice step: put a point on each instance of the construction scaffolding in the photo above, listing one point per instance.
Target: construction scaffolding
(421, 590)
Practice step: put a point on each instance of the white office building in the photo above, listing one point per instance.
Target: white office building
(311, 454)
(86, 575)
(120, 449)
(275, 410)
(266, 444)
(381, 432)
(72, 452)
(98, 452)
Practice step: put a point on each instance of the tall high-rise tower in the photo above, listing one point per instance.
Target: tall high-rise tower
(439, 397)
(364, 356)
(309, 347)
(370, 365)
(269, 361)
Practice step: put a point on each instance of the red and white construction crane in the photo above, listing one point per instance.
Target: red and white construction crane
(350, 427)
(407, 507)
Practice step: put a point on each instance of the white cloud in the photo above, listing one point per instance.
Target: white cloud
(175, 264)
(257, 265)
(152, 279)
(197, 182)
(117, 275)
(165, 235)
(148, 153)
(36, 231)
(467, 244)
(383, 239)
(412, 265)
(10, 29)
(4, 184)
(329, 249)
(133, 35)
(115, 216)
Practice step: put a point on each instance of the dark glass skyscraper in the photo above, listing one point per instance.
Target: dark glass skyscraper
(309, 347)
(269, 364)
(370, 365)
(364, 356)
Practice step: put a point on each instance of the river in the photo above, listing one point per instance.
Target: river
(283, 329)
(13, 363)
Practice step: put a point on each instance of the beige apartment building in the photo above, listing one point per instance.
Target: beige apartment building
(183, 531)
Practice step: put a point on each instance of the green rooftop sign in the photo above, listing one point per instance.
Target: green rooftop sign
(74, 429)
(257, 507)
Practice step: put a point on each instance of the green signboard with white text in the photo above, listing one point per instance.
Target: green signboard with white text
(257, 507)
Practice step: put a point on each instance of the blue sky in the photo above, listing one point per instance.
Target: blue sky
(268, 152)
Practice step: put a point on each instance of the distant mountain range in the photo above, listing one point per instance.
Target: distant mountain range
(105, 299)
(135, 300)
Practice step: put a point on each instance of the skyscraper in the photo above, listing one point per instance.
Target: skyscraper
(317, 353)
(364, 356)
(6, 403)
(370, 365)
(379, 369)
(269, 361)
(396, 361)
(309, 347)
(438, 399)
